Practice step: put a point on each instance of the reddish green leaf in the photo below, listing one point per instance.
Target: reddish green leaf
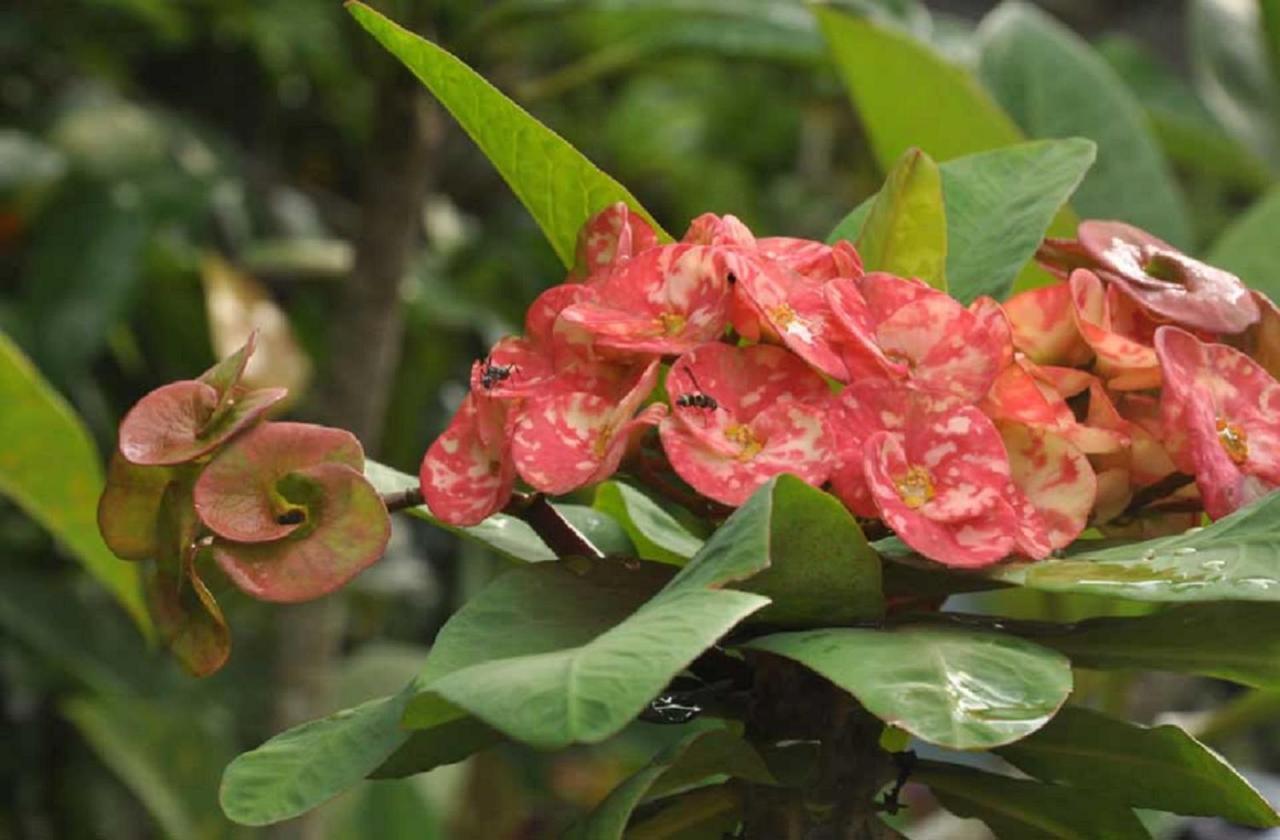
(238, 494)
(346, 530)
(130, 506)
(171, 425)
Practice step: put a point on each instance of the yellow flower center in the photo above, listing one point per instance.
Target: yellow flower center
(671, 323)
(744, 437)
(1234, 440)
(783, 315)
(915, 487)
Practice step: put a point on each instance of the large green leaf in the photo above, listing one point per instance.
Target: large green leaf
(715, 753)
(999, 205)
(656, 534)
(1054, 85)
(1233, 74)
(963, 688)
(905, 231)
(1236, 558)
(1161, 768)
(821, 569)
(908, 95)
(1017, 809)
(1250, 247)
(1228, 640)
(49, 466)
(560, 187)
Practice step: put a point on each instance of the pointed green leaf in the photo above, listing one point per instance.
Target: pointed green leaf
(657, 534)
(905, 232)
(50, 468)
(1016, 809)
(962, 688)
(705, 754)
(1229, 640)
(909, 95)
(1250, 248)
(1054, 85)
(999, 206)
(1161, 768)
(1236, 558)
(560, 187)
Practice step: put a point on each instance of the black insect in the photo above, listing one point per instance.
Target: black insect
(891, 803)
(292, 516)
(493, 374)
(731, 278)
(697, 399)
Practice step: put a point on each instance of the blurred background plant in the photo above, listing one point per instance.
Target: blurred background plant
(175, 174)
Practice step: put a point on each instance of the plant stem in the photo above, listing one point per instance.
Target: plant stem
(403, 499)
(549, 524)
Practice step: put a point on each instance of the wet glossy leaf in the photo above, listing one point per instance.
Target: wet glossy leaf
(1250, 248)
(1230, 640)
(560, 187)
(909, 95)
(1161, 768)
(50, 469)
(1015, 809)
(1054, 85)
(656, 534)
(999, 205)
(1236, 558)
(955, 687)
(905, 232)
(706, 754)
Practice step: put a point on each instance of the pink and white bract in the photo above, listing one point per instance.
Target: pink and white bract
(976, 433)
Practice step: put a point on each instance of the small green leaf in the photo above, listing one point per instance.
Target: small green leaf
(1250, 248)
(705, 754)
(909, 95)
(1228, 640)
(905, 232)
(999, 206)
(821, 569)
(961, 688)
(1236, 558)
(560, 187)
(657, 534)
(1161, 768)
(1055, 85)
(1016, 809)
(50, 468)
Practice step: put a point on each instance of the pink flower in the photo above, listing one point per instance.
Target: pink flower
(1044, 326)
(609, 238)
(468, 473)
(944, 486)
(664, 301)
(764, 417)
(1221, 410)
(1115, 332)
(571, 439)
(1028, 394)
(814, 262)
(1056, 486)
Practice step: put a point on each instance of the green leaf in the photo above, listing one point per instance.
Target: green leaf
(560, 187)
(1054, 85)
(1161, 768)
(1015, 809)
(1236, 558)
(1250, 248)
(905, 232)
(1232, 72)
(962, 688)
(908, 95)
(717, 753)
(821, 569)
(1228, 640)
(49, 466)
(999, 206)
(656, 534)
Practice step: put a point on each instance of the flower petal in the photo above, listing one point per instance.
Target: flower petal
(1044, 326)
(467, 474)
(170, 425)
(1054, 476)
(610, 237)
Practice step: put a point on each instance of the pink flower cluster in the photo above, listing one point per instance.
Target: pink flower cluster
(974, 432)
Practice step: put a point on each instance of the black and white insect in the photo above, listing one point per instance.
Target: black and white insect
(696, 399)
(493, 374)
